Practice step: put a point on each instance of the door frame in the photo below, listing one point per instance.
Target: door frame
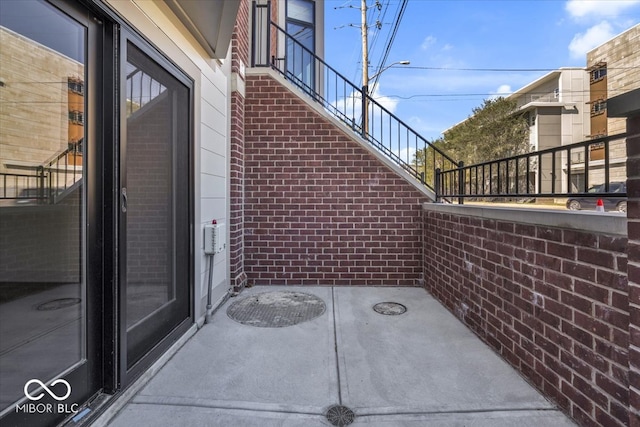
(126, 374)
(88, 377)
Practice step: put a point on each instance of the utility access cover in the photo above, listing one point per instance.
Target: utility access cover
(276, 309)
(340, 416)
(390, 308)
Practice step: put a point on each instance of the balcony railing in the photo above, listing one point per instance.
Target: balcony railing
(563, 171)
(46, 183)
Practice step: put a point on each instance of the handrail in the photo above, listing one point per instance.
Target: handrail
(344, 100)
(544, 173)
(146, 91)
(49, 179)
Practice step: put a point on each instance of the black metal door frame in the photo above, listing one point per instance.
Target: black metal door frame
(128, 372)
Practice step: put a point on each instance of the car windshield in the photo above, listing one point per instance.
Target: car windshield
(595, 189)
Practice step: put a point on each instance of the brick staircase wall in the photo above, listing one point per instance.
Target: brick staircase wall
(552, 301)
(321, 209)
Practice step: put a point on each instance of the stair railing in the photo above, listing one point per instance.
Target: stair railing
(47, 182)
(273, 47)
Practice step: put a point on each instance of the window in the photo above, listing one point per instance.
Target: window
(75, 85)
(76, 117)
(598, 107)
(598, 73)
(300, 55)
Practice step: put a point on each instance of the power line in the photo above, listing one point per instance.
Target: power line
(391, 39)
(379, 23)
(416, 67)
(454, 95)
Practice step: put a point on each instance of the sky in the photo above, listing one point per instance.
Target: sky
(529, 38)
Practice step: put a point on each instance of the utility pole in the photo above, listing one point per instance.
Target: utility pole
(365, 71)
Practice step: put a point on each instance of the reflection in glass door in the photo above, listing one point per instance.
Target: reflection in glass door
(154, 181)
(43, 209)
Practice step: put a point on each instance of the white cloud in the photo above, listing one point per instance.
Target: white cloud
(598, 8)
(428, 42)
(405, 154)
(447, 47)
(594, 36)
(389, 103)
(351, 106)
(503, 90)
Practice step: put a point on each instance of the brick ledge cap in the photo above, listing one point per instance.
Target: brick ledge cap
(601, 223)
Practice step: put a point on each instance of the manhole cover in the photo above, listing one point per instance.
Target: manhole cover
(339, 415)
(390, 308)
(57, 304)
(276, 309)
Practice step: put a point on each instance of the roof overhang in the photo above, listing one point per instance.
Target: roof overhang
(540, 104)
(210, 22)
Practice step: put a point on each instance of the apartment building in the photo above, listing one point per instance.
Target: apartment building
(614, 69)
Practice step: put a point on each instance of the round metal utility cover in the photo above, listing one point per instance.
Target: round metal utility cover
(57, 304)
(339, 415)
(276, 309)
(390, 308)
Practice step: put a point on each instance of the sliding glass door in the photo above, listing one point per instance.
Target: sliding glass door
(50, 274)
(154, 207)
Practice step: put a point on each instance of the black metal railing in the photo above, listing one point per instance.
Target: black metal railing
(367, 116)
(45, 183)
(563, 171)
(141, 90)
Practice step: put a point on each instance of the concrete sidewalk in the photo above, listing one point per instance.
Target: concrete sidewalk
(420, 368)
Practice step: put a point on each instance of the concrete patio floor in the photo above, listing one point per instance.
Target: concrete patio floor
(420, 368)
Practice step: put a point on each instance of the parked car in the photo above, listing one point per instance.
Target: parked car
(611, 203)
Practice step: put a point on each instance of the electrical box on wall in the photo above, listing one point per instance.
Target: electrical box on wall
(214, 238)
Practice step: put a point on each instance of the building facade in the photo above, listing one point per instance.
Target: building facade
(614, 69)
(554, 106)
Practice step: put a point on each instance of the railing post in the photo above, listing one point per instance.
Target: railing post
(365, 111)
(41, 183)
(437, 184)
(460, 183)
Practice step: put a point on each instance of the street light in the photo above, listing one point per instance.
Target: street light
(365, 94)
(387, 67)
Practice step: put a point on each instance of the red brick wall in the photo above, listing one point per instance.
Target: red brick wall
(320, 208)
(240, 37)
(239, 53)
(633, 217)
(553, 302)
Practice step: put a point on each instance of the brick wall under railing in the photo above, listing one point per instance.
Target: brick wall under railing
(320, 208)
(633, 216)
(552, 300)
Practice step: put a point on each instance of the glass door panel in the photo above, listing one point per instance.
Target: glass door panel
(155, 203)
(43, 209)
